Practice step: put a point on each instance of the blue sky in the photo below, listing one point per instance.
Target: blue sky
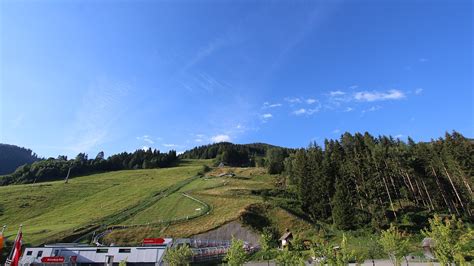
(86, 76)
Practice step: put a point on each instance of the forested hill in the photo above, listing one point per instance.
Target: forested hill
(12, 156)
(359, 177)
(211, 151)
(233, 154)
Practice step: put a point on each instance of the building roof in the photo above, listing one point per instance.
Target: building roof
(286, 236)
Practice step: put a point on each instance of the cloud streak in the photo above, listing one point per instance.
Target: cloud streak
(372, 96)
(220, 138)
(372, 109)
(205, 52)
(305, 111)
(267, 105)
(102, 105)
(311, 101)
(146, 138)
(171, 145)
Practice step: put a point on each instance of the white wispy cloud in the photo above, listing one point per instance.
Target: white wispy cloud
(170, 145)
(299, 111)
(297, 35)
(336, 131)
(336, 93)
(103, 103)
(203, 82)
(418, 91)
(265, 117)
(399, 136)
(206, 51)
(146, 138)
(348, 109)
(293, 100)
(198, 137)
(310, 101)
(267, 105)
(300, 100)
(372, 96)
(220, 138)
(336, 98)
(305, 111)
(372, 109)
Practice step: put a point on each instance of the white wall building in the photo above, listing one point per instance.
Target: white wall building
(77, 254)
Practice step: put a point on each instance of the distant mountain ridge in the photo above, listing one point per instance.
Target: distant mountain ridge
(12, 156)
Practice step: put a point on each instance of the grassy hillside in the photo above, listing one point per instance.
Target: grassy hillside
(146, 203)
(173, 202)
(229, 197)
(53, 210)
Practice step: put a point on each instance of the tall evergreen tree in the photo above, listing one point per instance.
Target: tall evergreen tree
(343, 212)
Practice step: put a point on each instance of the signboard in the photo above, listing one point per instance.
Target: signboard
(153, 241)
(56, 259)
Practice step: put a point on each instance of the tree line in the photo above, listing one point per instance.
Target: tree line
(254, 154)
(58, 168)
(356, 179)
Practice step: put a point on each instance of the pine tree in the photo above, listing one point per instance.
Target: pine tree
(343, 212)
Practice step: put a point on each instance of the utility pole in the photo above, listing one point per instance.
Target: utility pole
(67, 177)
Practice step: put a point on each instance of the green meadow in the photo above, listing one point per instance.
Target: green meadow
(53, 210)
(148, 199)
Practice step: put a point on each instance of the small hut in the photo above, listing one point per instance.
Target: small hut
(427, 245)
(286, 238)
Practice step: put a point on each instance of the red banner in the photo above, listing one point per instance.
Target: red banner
(17, 249)
(153, 241)
(52, 259)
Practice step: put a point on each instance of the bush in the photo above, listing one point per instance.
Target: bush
(205, 168)
(452, 240)
(236, 254)
(268, 238)
(338, 255)
(290, 258)
(178, 256)
(254, 216)
(395, 243)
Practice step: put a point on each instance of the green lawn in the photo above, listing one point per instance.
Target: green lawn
(227, 196)
(174, 206)
(49, 210)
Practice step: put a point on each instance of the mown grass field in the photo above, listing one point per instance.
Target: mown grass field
(229, 197)
(52, 210)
